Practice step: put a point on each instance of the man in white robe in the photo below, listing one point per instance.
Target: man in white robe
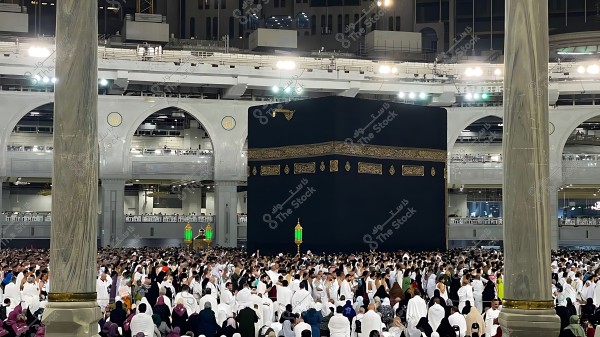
(244, 298)
(208, 298)
(435, 314)
(491, 319)
(345, 288)
(142, 322)
(284, 296)
(478, 287)
(301, 300)
(301, 326)
(274, 273)
(431, 283)
(457, 319)
(465, 293)
(102, 296)
(416, 309)
(13, 292)
(211, 284)
(338, 324)
(227, 297)
(31, 295)
(370, 321)
(189, 301)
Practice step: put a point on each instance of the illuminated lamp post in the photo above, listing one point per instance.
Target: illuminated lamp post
(209, 234)
(187, 236)
(298, 236)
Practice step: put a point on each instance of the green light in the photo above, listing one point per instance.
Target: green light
(188, 235)
(484, 96)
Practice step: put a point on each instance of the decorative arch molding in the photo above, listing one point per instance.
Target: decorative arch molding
(566, 131)
(208, 127)
(472, 118)
(12, 123)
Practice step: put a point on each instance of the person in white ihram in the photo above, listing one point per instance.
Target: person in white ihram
(102, 295)
(370, 321)
(465, 293)
(416, 309)
(491, 319)
(142, 322)
(338, 324)
(435, 314)
(457, 319)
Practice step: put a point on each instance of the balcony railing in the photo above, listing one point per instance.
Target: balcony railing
(170, 152)
(581, 157)
(170, 218)
(476, 158)
(581, 222)
(497, 157)
(29, 148)
(475, 221)
(25, 217)
(47, 217)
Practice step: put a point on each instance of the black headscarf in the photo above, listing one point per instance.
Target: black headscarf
(424, 326)
(445, 329)
(381, 293)
(118, 315)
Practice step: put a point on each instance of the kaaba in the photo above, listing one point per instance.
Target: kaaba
(357, 174)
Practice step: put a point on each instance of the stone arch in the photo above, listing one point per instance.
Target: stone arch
(158, 107)
(566, 131)
(12, 123)
(472, 119)
(429, 39)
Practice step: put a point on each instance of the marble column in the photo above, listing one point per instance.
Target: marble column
(2, 195)
(226, 213)
(113, 211)
(527, 307)
(553, 208)
(72, 309)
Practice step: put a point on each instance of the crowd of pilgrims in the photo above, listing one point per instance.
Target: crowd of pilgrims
(174, 292)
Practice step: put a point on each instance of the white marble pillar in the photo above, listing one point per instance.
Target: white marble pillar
(2, 195)
(72, 309)
(527, 308)
(226, 213)
(113, 211)
(553, 208)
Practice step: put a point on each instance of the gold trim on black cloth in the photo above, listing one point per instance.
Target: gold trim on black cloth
(413, 170)
(270, 170)
(342, 148)
(333, 166)
(527, 305)
(302, 168)
(370, 168)
(72, 297)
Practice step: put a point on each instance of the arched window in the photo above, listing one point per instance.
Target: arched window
(302, 21)
(356, 23)
(323, 24)
(346, 23)
(374, 22)
(391, 23)
(208, 28)
(398, 27)
(192, 27)
(340, 23)
(231, 27)
(313, 24)
(215, 30)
